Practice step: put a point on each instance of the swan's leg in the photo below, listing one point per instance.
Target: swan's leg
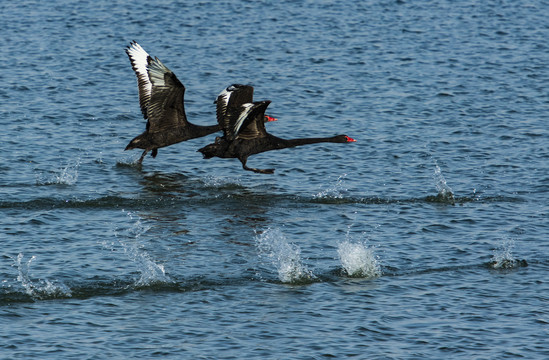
(154, 152)
(142, 157)
(259, 171)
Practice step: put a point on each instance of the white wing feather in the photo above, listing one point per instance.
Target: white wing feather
(246, 109)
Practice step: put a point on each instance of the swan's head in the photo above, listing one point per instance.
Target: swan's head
(218, 148)
(138, 142)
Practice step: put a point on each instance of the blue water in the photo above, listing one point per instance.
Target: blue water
(427, 238)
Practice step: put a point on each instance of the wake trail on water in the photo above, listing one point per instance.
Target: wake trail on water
(213, 188)
(357, 258)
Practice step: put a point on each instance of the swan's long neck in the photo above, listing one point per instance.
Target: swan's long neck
(205, 130)
(307, 141)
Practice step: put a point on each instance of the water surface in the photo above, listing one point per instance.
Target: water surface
(427, 238)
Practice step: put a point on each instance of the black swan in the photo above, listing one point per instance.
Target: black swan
(245, 135)
(161, 98)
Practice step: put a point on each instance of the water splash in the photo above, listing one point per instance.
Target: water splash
(445, 193)
(40, 289)
(285, 256)
(336, 191)
(150, 272)
(65, 176)
(503, 257)
(131, 160)
(127, 163)
(357, 258)
(218, 181)
(226, 183)
(69, 175)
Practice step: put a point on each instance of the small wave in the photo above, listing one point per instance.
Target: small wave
(119, 286)
(52, 203)
(444, 199)
(357, 258)
(124, 202)
(285, 256)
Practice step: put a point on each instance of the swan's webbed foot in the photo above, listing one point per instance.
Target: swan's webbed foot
(264, 171)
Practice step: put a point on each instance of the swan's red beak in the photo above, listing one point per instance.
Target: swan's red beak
(270, 118)
(349, 139)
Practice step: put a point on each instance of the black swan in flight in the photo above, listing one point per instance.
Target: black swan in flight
(161, 98)
(245, 135)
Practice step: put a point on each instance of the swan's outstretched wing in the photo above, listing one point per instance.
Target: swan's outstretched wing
(139, 59)
(161, 94)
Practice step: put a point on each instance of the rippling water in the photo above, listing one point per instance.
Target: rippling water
(427, 238)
